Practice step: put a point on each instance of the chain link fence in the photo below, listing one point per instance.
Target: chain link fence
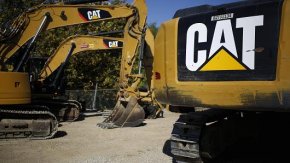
(94, 100)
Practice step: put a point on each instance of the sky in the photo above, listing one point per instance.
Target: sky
(162, 10)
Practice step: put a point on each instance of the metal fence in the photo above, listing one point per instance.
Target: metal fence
(94, 100)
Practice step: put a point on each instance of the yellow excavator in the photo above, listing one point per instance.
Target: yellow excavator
(226, 69)
(46, 74)
(21, 118)
(46, 88)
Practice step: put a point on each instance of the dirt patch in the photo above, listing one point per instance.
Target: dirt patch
(82, 141)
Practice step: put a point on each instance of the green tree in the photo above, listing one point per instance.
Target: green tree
(154, 29)
(118, 2)
(11, 9)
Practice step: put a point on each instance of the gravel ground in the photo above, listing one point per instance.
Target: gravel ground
(82, 141)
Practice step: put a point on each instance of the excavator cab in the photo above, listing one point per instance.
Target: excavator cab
(34, 67)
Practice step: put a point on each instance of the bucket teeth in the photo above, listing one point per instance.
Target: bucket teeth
(125, 114)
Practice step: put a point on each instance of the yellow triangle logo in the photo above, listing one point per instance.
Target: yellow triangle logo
(222, 61)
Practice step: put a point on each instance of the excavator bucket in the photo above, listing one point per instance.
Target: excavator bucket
(125, 114)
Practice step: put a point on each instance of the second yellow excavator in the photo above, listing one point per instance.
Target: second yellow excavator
(47, 86)
(46, 74)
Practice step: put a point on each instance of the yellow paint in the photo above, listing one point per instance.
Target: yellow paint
(222, 61)
(91, 46)
(95, 17)
(14, 88)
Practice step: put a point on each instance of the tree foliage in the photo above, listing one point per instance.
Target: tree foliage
(154, 29)
(12, 8)
(117, 2)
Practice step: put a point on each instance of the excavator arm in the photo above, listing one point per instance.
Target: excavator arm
(128, 111)
(82, 43)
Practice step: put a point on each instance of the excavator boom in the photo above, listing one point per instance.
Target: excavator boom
(82, 43)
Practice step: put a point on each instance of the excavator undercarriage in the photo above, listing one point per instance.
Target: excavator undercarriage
(227, 135)
(27, 121)
(64, 110)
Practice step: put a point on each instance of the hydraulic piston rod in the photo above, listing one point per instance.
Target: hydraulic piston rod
(61, 69)
(29, 46)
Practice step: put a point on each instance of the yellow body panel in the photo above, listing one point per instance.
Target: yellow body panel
(14, 88)
(248, 95)
(149, 57)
